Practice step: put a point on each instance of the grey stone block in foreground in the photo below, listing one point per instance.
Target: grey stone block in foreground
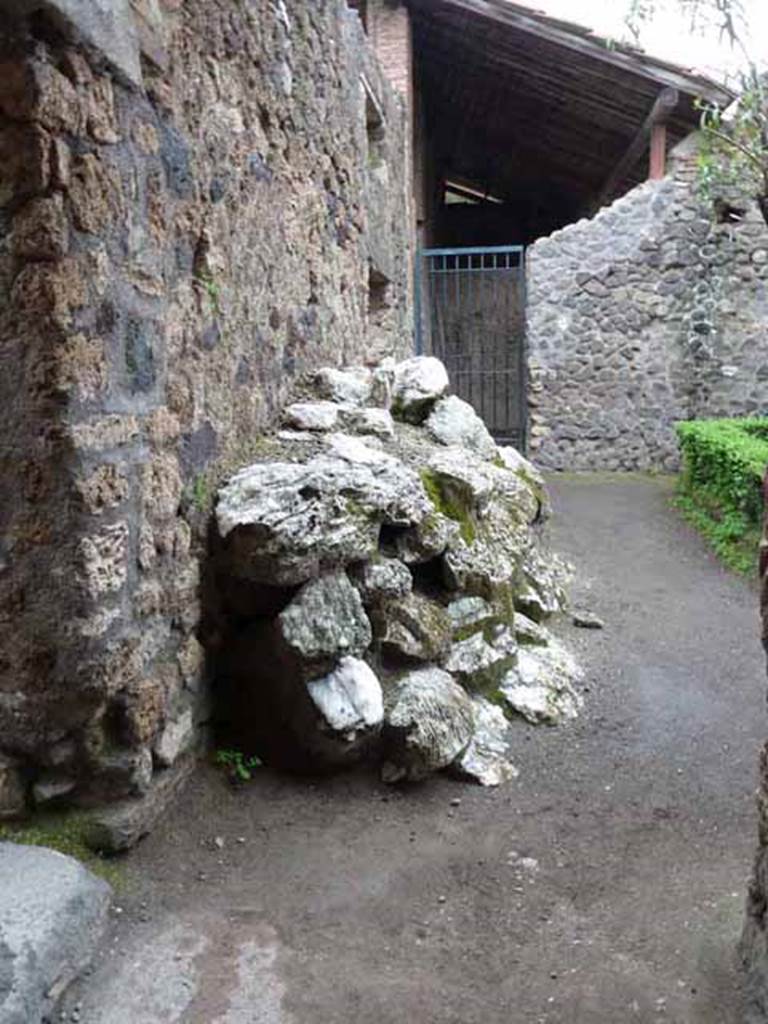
(52, 915)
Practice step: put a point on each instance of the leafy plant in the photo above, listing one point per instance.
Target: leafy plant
(724, 462)
(733, 155)
(238, 765)
(212, 290)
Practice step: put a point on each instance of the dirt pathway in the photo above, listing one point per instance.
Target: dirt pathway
(605, 886)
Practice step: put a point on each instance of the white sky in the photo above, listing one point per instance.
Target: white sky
(669, 36)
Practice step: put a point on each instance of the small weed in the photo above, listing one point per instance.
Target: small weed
(212, 290)
(238, 765)
(200, 492)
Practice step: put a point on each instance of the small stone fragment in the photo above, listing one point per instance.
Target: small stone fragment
(529, 632)
(586, 620)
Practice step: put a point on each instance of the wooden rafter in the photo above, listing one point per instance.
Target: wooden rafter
(665, 74)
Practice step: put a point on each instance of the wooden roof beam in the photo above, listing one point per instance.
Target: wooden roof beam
(660, 113)
(635, 64)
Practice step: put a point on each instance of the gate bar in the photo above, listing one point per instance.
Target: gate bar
(418, 282)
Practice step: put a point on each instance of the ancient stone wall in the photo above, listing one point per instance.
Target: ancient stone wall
(754, 940)
(650, 312)
(181, 239)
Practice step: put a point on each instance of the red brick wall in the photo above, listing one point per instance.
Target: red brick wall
(390, 31)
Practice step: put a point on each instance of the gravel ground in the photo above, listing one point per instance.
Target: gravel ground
(606, 885)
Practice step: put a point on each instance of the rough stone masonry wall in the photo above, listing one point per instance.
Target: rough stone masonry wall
(754, 940)
(175, 251)
(647, 314)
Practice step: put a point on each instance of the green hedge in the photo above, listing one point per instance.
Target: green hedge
(721, 484)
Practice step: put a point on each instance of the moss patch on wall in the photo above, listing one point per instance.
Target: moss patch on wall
(449, 503)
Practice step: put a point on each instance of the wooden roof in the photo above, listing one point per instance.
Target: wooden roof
(515, 96)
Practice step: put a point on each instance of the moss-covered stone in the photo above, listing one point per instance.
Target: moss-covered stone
(65, 832)
(449, 502)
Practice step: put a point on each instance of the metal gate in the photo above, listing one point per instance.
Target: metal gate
(471, 315)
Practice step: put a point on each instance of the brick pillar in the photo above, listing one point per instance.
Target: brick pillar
(390, 29)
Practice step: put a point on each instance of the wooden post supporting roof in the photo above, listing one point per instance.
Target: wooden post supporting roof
(654, 127)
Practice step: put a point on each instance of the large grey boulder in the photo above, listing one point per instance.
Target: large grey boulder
(418, 383)
(53, 913)
(284, 522)
(454, 422)
(428, 723)
(413, 628)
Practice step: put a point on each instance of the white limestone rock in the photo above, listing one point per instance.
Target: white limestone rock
(541, 686)
(174, 740)
(546, 580)
(486, 758)
(349, 698)
(418, 384)
(285, 522)
(517, 463)
(454, 422)
(312, 416)
(352, 385)
(378, 422)
(480, 658)
(428, 723)
(475, 485)
(529, 632)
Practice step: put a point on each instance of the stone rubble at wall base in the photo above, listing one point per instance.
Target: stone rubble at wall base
(371, 585)
(177, 251)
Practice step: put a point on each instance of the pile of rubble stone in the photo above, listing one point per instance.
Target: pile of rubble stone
(382, 582)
